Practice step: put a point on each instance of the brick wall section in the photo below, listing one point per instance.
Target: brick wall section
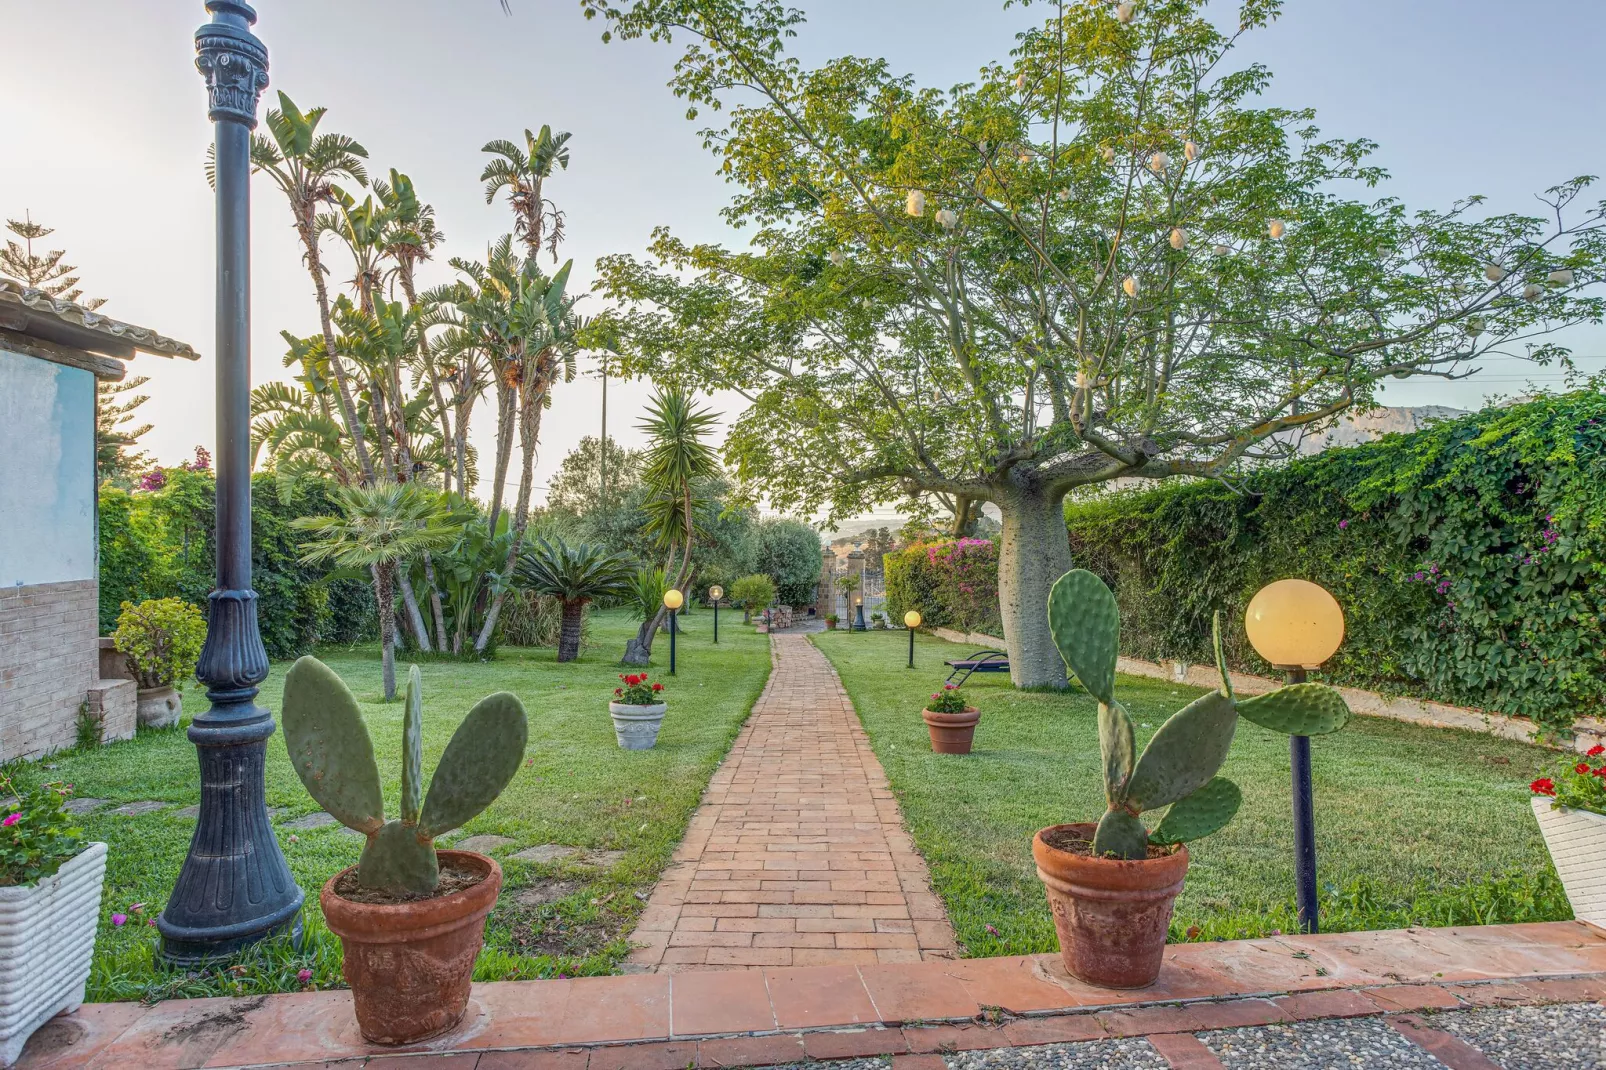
(49, 660)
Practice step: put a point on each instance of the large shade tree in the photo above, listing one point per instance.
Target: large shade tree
(1106, 258)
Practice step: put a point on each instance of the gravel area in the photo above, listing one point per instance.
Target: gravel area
(1533, 1038)
(1339, 1044)
(1132, 1053)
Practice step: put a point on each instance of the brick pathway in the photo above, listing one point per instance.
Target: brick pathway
(797, 856)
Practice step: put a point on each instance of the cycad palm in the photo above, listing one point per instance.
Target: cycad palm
(380, 528)
(574, 575)
(523, 172)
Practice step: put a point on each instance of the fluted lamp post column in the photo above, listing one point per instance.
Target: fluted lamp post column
(234, 888)
(1297, 625)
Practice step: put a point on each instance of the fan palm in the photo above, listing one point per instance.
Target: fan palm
(380, 528)
(574, 575)
(523, 172)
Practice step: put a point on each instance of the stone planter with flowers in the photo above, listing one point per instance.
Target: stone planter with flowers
(50, 885)
(637, 709)
(1571, 810)
(161, 639)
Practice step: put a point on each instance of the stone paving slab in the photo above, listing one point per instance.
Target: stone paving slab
(1449, 1002)
(797, 855)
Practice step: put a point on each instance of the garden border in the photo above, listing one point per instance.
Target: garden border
(1587, 731)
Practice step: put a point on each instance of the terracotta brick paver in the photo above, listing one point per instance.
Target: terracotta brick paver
(797, 856)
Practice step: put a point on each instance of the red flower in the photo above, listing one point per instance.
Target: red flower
(618, 690)
(1596, 751)
(1582, 767)
(1601, 771)
(657, 687)
(1543, 786)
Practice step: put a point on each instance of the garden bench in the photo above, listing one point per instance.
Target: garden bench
(980, 661)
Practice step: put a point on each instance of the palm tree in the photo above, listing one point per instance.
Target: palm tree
(380, 528)
(574, 575)
(524, 172)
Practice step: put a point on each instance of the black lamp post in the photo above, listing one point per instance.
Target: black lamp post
(911, 620)
(716, 592)
(234, 888)
(858, 614)
(673, 600)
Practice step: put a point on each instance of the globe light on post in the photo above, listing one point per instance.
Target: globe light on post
(1297, 625)
(716, 592)
(673, 600)
(911, 620)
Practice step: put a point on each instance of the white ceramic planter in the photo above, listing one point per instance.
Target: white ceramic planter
(160, 707)
(1577, 842)
(47, 937)
(636, 727)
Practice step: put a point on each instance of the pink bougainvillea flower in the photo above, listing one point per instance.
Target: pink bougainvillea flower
(118, 919)
(137, 908)
(304, 976)
(11, 819)
(990, 930)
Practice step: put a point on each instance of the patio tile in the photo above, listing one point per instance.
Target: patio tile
(75, 1039)
(189, 1032)
(728, 1002)
(669, 1055)
(574, 1059)
(1020, 984)
(819, 996)
(855, 1043)
(750, 1051)
(916, 991)
(523, 1014)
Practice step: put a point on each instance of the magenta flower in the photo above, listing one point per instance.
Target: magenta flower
(304, 976)
(118, 919)
(991, 931)
(1343, 524)
(11, 819)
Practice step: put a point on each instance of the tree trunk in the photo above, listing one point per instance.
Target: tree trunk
(435, 603)
(638, 650)
(348, 409)
(415, 619)
(505, 417)
(529, 438)
(1033, 551)
(387, 628)
(569, 635)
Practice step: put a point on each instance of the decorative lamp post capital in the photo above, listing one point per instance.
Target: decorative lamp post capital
(233, 61)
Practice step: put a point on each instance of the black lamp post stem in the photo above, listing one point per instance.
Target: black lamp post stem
(1304, 824)
(672, 630)
(716, 620)
(234, 887)
(911, 648)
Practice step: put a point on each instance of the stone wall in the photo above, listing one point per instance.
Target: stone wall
(50, 668)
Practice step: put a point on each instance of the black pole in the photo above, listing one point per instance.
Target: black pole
(716, 620)
(234, 888)
(1304, 824)
(911, 648)
(672, 630)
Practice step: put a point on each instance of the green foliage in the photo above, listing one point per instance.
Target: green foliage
(161, 639)
(952, 582)
(1468, 558)
(646, 594)
(36, 833)
(1578, 782)
(788, 552)
(581, 573)
(331, 752)
(753, 593)
(947, 700)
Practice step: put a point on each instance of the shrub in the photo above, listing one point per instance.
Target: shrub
(788, 552)
(37, 835)
(162, 639)
(753, 593)
(952, 582)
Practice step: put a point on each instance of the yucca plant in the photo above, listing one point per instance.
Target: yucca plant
(574, 575)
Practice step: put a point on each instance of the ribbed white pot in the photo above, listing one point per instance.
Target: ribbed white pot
(1577, 842)
(636, 727)
(47, 937)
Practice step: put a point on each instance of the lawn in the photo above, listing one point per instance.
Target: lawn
(577, 788)
(1413, 824)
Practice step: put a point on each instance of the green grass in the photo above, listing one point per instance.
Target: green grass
(576, 788)
(1413, 825)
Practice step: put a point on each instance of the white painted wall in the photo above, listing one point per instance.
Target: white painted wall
(47, 471)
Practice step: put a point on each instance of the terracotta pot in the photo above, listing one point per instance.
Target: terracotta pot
(159, 707)
(1111, 915)
(951, 733)
(409, 964)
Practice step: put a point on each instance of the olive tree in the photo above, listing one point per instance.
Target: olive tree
(1105, 258)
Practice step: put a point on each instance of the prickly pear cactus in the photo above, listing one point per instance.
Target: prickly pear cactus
(334, 757)
(1178, 767)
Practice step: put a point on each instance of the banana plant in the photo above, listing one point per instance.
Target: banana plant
(1178, 767)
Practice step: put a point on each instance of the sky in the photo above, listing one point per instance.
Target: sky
(106, 133)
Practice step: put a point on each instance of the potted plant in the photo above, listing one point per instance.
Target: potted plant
(161, 638)
(831, 621)
(50, 884)
(638, 711)
(1112, 885)
(410, 919)
(951, 721)
(1571, 810)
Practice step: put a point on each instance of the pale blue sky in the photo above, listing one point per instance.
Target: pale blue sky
(106, 130)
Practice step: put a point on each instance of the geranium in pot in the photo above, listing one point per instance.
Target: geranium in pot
(1112, 885)
(951, 721)
(410, 919)
(637, 710)
(1571, 810)
(50, 883)
(161, 639)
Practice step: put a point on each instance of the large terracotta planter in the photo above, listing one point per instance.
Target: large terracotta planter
(1111, 915)
(636, 727)
(159, 707)
(952, 733)
(1576, 840)
(409, 964)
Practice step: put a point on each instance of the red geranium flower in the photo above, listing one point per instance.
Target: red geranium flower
(657, 687)
(1543, 786)
(618, 690)
(1582, 767)
(1596, 751)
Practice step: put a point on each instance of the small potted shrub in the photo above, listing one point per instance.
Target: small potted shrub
(1571, 810)
(50, 884)
(831, 621)
(1111, 885)
(951, 721)
(410, 919)
(638, 711)
(161, 639)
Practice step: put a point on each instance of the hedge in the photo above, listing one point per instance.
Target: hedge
(1468, 558)
(952, 582)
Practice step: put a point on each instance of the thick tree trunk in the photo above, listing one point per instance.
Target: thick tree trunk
(415, 619)
(638, 651)
(387, 629)
(569, 634)
(435, 607)
(1033, 552)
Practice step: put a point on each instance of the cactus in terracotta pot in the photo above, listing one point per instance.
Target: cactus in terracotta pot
(1178, 767)
(332, 754)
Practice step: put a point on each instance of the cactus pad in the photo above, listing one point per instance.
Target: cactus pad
(1122, 835)
(1117, 747)
(1184, 754)
(329, 746)
(482, 757)
(412, 791)
(399, 859)
(1087, 628)
(1198, 815)
(1298, 710)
